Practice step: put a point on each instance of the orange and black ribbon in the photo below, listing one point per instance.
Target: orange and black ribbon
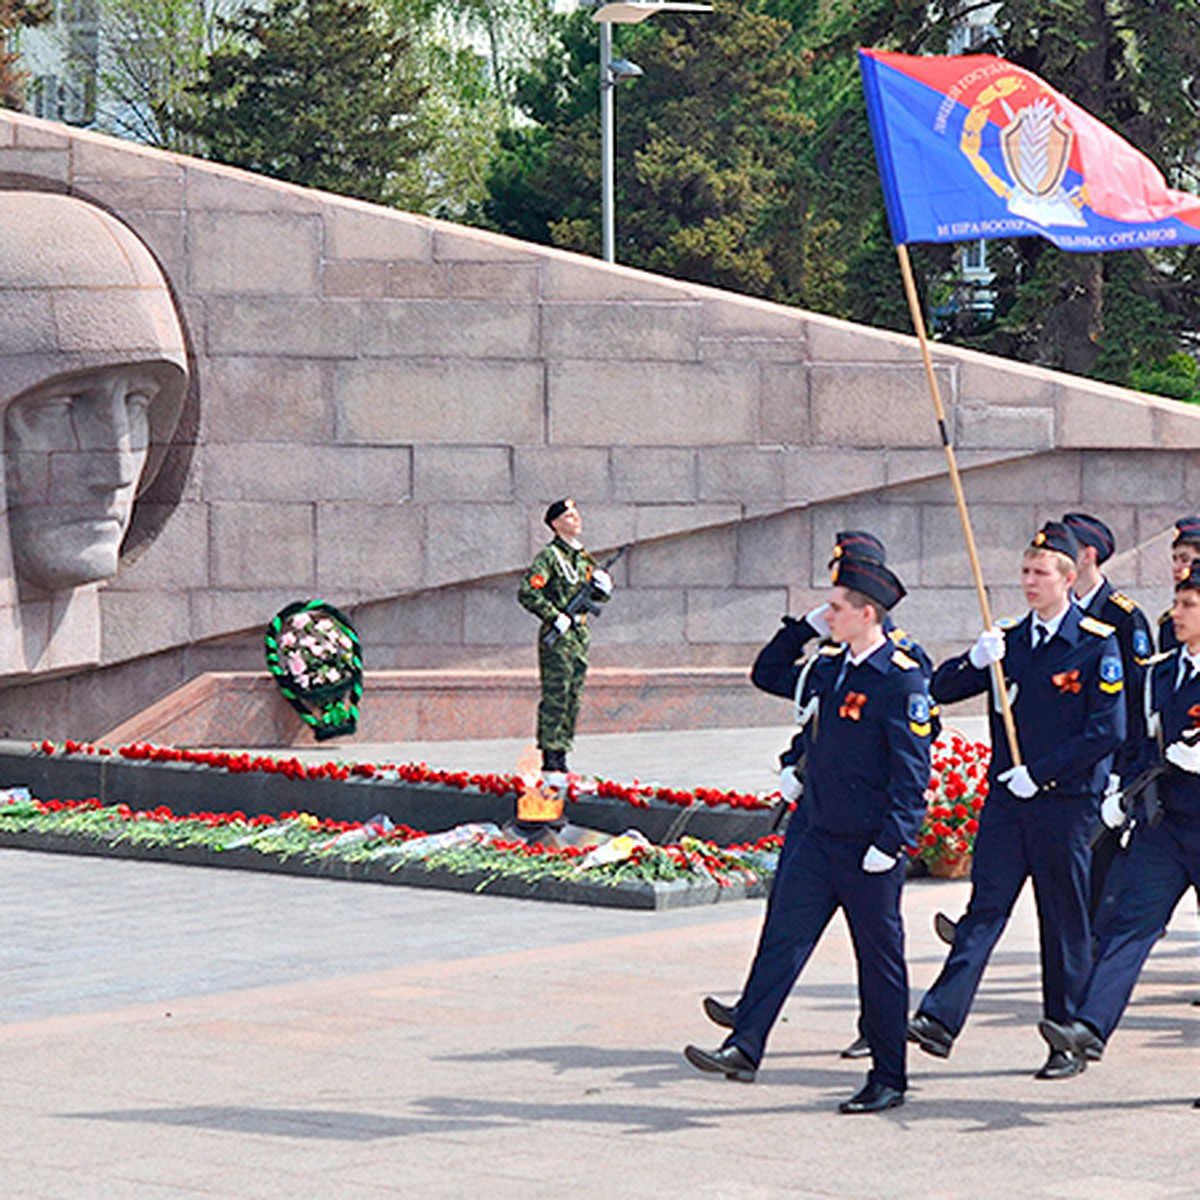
(1067, 682)
(852, 706)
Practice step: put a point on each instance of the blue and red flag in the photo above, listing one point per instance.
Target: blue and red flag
(975, 147)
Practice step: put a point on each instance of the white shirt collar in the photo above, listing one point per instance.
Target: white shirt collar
(856, 659)
(1050, 626)
(1084, 601)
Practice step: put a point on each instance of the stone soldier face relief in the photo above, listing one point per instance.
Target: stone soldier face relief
(93, 373)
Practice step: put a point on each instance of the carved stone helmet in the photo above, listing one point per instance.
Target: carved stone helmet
(79, 292)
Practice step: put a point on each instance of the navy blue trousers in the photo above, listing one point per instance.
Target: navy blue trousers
(1045, 838)
(1161, 865)
(818, 875)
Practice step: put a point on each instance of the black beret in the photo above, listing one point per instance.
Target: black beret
(857, 543)
(1091, 531)
(557, 509)
(873, 579)
(1187, 529)
(1054, 535)
(1191, 579)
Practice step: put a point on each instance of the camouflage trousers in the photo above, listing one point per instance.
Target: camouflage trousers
(563, 668)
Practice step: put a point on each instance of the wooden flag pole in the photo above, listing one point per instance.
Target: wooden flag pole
(918, 320)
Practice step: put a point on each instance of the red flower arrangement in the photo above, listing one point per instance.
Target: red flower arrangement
(958, 787)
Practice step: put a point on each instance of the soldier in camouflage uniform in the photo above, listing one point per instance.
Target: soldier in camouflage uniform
(558, 572)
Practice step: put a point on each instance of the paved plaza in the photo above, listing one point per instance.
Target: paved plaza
(170, 1031)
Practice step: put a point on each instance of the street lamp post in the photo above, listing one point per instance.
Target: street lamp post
(631, 12)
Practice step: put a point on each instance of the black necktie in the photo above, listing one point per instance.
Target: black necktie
(1041, 635)
(1186, 675)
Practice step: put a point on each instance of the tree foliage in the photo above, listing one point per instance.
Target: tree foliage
(16, 15)
(318, 92)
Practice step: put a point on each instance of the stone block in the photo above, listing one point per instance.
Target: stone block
(8, 130)
(262, 546)
(1134, 477)
(877, 405)
(456, 473)
(775, 551)
(302, 326)
(161, 193)
(575, 277)
(650, 474)
(784, 407)
(648, 404)
(53, 166)
(354, 279)
(492, 617)
(418, 280)
(356, 230)
(228, 189)
(453, 243)
(1006, 427)
(469, 541)
(815, 475)
(621, 330)
(899, 527)
(831, 340)
(744, 473)
(370, 548)
(449, 329)
(735, 317)
(271, 254)
(1002, 531)
(427, 618)
(246, 398)
(492, 281)
(176, 560)
(749, 349)
(220, 612)
(985, 381)
(662, 520)
(62, 631)
(165, 233)
(1103, 418)
(642, 616)
(707, 557)
(290, 472)
(606, 526)
(735, 615)
(553, 471)
(96, 157)
(946, 621)
(468, 403)
(44, 135)
(133, 624)
(1177, 425)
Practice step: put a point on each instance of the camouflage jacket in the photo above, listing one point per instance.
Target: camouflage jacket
(553, 578)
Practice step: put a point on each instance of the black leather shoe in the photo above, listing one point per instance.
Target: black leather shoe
(945, 928)
(728, 1061)
(1074, 1037)
(1062, 1064)
(724, 1015)
(875, 1097)
(931, 1035)
(859, 1048)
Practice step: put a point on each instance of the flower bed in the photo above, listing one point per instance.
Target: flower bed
(958, 787)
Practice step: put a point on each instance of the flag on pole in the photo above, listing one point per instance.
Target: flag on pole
(975, 147)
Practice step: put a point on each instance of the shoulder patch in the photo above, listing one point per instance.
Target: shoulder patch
(1111, 675)
(1099, 628)
(1123, 602)
(903, 661)
(918, 714)
(1142, 646)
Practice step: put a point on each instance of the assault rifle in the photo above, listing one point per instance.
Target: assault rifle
(1143, 787)
(585, 600)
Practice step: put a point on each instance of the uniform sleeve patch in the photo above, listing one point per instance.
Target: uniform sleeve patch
(1141, 644)
(537, 581)
(918, 713)
(1111, 675)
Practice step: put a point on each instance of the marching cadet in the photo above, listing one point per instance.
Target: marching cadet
(779, 669)
(557, 575)
(867, 768)
(1164, 859)
(1064, 673)
(1185, 550)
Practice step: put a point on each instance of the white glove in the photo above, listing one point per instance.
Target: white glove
(819, 619)
(1112, 807)
(1019, 781)
(562, 622)
(1185, 756)
(602, 581)
(988, 648)
(790, 787)
(875, 862)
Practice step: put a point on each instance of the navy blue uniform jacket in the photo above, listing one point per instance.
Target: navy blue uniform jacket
(867, 748)
(1069, 706)
(1179, 711)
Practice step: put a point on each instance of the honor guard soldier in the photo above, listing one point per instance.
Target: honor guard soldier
(1164, 858)
(562, 572)
(779, 669)
(1064, 673)
(866, 752)
(1185, 550)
